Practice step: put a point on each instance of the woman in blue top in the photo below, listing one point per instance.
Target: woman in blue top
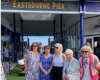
(6, 53)
(46, 64)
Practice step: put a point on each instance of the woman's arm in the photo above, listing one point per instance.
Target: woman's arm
(80, 69)
(26, 60)
(4, 52)
(64, 57)
(96, 63)
(50, 68)
(42, 67)
(64, 67)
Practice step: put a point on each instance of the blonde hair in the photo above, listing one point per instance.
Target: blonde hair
(88, 48)
(69, 51)
(60, 45)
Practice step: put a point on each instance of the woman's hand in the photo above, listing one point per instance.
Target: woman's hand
(63, 77)
(46, 73)
(95, 64)
(66, 77)
(27, 51)
(26, 72)
(80, 70)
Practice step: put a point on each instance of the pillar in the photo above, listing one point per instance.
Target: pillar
(61, 28)
(15, 54)
(54, 30)
(22, 35)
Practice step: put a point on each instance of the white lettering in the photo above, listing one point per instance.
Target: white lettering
(97, 7)
(96, 4)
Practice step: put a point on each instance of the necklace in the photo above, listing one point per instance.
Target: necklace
(86, 62)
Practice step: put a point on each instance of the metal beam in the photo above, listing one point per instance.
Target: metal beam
(22, 35)
(82, 2)
(54, 29)
(15, 54)
(61, 28)
(54, 12)
(82, 29)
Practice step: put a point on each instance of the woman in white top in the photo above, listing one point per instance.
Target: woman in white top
(58, 59)
(71, 67)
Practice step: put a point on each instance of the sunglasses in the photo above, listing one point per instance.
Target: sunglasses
(34, 45)
(56, 47)
(84, 51)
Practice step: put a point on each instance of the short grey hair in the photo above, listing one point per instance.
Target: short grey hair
(69, 51)
(87, 44)
(60, 45)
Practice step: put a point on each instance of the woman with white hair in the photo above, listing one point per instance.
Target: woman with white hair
(71, 67)
(89, 64)
(58, 59)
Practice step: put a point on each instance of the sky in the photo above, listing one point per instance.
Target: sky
(43, 39)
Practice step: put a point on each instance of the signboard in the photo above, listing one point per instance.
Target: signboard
(6, 67)
(94, 27)
(92, 6)
(40, 5)
(92, 0)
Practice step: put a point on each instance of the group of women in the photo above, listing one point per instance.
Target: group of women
(60, 66)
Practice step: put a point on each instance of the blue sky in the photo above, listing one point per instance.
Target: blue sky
(43, 39)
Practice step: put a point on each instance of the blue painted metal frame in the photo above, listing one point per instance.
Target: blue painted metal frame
(15, 54)
(92, 17)
(22, 34)
(81, 30)
(91, 35)
(76, 55)
(54, 29)
(61, 28)
(82, 23)
(69, 33)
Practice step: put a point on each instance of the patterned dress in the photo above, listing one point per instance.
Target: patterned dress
(46, 64)
(33, 67)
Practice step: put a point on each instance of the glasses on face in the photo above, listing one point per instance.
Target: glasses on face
(84, 51)
(34, 45)
(56, 47)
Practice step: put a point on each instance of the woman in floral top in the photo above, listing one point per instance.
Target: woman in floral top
(32, 60)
